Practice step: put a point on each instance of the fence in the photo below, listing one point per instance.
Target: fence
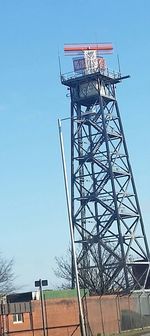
(114, 314)
(104, 315)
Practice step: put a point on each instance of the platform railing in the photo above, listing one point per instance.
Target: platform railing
(105, 72)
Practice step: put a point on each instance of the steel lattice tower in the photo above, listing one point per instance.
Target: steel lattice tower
(106, 215)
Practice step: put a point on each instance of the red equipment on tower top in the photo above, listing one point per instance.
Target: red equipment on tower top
(104, 48)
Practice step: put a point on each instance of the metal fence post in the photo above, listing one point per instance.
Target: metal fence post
(118, 313)
(140, 310)
(101, 312)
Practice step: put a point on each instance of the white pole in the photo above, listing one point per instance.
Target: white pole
(81, 318)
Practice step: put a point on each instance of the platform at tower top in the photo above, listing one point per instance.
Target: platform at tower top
(112, 77)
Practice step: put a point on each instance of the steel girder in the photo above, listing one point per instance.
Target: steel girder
(107, 220)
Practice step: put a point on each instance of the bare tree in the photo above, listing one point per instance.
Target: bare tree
(96, 280)
(6, 276)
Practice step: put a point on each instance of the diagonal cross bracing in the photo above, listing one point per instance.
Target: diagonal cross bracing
(105, 209)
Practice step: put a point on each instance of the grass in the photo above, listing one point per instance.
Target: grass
(134, 332)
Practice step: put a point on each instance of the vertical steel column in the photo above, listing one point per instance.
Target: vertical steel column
(113, 189)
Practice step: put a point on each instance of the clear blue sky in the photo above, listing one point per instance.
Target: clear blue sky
(34, 226)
